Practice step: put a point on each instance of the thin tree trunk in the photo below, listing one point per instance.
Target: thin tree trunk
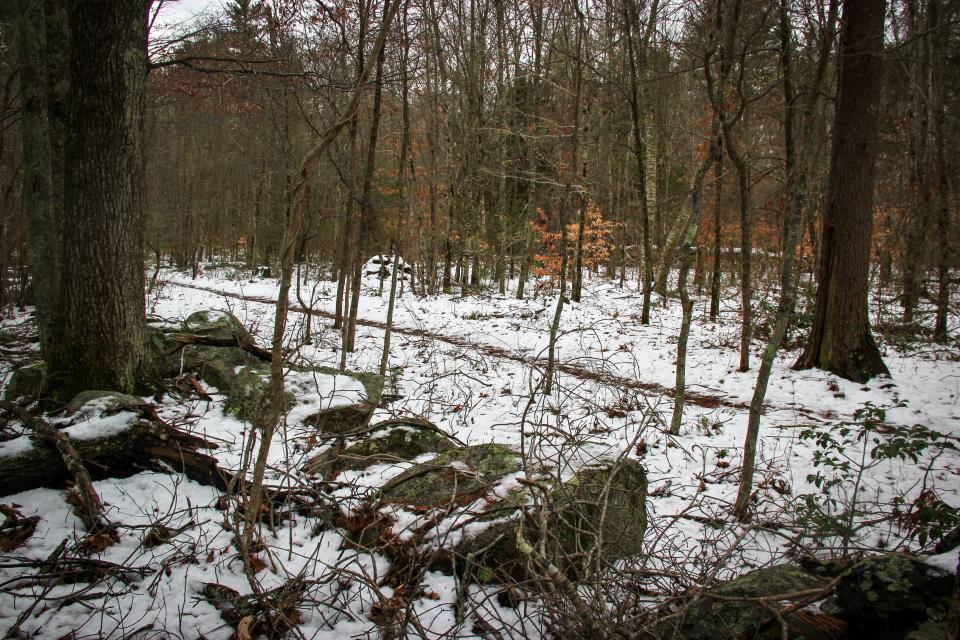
(576, 282)
(396, 252)
(267, 419)
(717, 245)
(797, 169)
(567, 202)
(636, 57)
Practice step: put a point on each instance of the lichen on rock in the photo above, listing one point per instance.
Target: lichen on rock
(217, 325)
(461, 511)
(394, 443)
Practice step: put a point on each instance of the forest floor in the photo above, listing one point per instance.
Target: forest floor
(474, 366)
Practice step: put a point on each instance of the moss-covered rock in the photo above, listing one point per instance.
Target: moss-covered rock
(217, 366)
(218, 325)
(883, 598)
(722, 613)
(163, 351)
(108, 402)
(458, 476)
(308, 391)
(26, 382)
(391, 444)
(248, 391)
(343, 419)
(890, 596)
(472, 509)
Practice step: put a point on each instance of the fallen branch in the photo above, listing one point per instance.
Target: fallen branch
(207, 341)
(90, 507)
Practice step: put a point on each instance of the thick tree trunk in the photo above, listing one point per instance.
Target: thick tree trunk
(43, 76)
(97, 340)
(840, 340)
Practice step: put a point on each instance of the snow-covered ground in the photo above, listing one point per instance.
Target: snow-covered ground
(469, 365)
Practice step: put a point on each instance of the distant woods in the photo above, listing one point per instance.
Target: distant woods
(460, 152)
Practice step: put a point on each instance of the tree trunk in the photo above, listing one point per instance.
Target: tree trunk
(686, 258)
(43, 76)
(797, 168)
(840, 340)
(116, 455)
(637, 56)
(717, 245)
(576, 282)
(98, 337)
(567, 202)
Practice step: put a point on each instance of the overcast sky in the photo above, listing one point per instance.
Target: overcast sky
(173, 12)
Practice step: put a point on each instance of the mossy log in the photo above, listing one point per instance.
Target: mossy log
(28, 463)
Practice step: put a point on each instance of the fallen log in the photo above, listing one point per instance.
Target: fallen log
(145, 444)
(89, 506)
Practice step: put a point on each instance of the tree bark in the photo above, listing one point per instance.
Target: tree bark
(43, 78)
(840, 340)
(97, 340)
(717, 245)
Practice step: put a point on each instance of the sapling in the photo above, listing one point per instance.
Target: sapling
(842, 459)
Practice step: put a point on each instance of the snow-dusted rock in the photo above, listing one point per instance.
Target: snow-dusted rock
(26, 382)
(469, 505)
(217, 325)
(391, 444)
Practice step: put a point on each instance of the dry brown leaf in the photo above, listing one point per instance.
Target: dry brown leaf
(257, 564)
(243, 629)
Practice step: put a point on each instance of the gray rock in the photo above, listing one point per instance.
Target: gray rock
(217, 366)
(391, 444)
(26, 382)
(218, 325)
(247, 396)
(344, 419)
(892, 595)
(722, 613)
(457, 489)
(112, 402)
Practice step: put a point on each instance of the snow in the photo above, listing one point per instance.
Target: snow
(15, 447)
(314, 392)
(102, 427)
(469, 365)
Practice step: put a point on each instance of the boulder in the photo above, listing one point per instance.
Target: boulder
(26, 382)
(892, 596)
(248, 391)
(721, 613)
(467, 508)
(163, 351)
(886, 597)
(103, 403)
(217, 366)
(356, 404)
(217, 325)
(392, 443)
(334, 401)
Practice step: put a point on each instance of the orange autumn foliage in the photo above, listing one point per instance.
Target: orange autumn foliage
(596, 241)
